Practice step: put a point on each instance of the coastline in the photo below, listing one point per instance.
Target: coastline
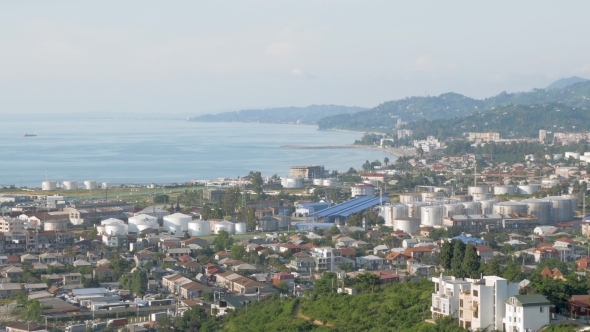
(393, 152)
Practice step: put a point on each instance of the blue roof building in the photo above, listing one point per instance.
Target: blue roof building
(471, 240)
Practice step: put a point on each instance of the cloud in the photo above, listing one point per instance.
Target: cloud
(424, 63)
(281, 48)
(301, 73)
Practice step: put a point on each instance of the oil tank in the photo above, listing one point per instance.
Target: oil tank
(241, 228)
(225, 225)
(575, 200)
(410, 198)
(471, 207)
(49, 185)
(407, 225)
(100, 229)
(177, 220)
(414, 209)
(432, 195)
(463, 198)
(562, 209)
(105, 185)
(479, 190)
(329, 182)
(317, 182)
(391, 212)
(70, 185)
(504, 190)
(528, 189)
(540, 209)
(90, 184)
(431, 215)
(268, 225)
(142, 220)
(487, 207)
(199, 228)
(510, 208)
(482, 196)
(452, 209)
(548, 183)
(292, 182)
(447, 190)
(55, 225)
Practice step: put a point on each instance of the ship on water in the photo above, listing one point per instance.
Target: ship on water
(29, 135)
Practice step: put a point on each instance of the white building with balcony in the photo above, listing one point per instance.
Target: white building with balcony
(445, 299)
(526, 313)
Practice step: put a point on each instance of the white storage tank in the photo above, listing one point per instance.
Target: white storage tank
(407, 225)
(70, 185)
(241, 228)
(562, 209)
(432, 195)
(100, 229)
(141, 227)
(487, 207)
(391, 212)
(225, 225)
(447, 190)
(329, 182)
(431, 215)
(177, 220)
(199, 228)
(105, 185)
(504, 190)
(49, 185)
(175, 229)
(410, 198)
(143, 220)
(528, 189)
(115, 227)
(292, 182)
(318, 182)
(55, 225)
(540, 209)
(482, 196)
(90, 184)
(575, 200)
(463, 198)
(510, 208)
(414, 209)
(548, 183)
(471, 208)
(479, 190)
(452, 209)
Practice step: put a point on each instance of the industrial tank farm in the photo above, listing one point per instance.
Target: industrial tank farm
(431, 215)
(141, 222)
(540, 209)
(562, 208)
(178, 221)
(510, 208)
(199, 228)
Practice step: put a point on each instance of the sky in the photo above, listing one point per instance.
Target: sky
(193, 57)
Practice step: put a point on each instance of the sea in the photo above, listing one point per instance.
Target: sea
(163, 151)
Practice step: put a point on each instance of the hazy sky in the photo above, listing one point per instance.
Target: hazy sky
(192, 57)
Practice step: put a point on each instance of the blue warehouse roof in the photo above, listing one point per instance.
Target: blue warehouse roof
(349, 207)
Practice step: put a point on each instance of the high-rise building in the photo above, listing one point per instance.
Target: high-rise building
(542, 135)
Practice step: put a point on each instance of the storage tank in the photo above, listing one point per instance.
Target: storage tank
(292, 182)
(143, 219)
(391, 212)
(482, 196)
(90, 184)
(330, 182)
(452, 209)
(70, 185)
(510, 208)
(100, 229)
(140, 227)
(463, 198)
(540, 209)
(105, 185)
(575, 200)
(431, 196)
(175, 229)
(55, 225)
(431, 215)
(225, 225)
(48, 185)
(504, 190)
(447, 190)
(528, 189)
(414, 209)
(407, 225)
(562, 209)
(199, 228)
(487, 207)
(115, 228)
(479, 190)
(410, 198)
(548, 183)
(471, 208)
(177, 219)
(268, 225)
(318, 182)
(241, 228)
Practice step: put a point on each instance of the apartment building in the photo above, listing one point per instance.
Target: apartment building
(327, 258)
(526, 313)
(12, 225)
(445, 299)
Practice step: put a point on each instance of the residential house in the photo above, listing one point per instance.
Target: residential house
(81, 263)
(47, 258)
(9, 289)
(445, 299)
(194, 289)
(526, 313)
(194, 241)
(13, 272)
(177, 252)
(485, 253)
(370, 262)
(143, 256)
(102, 273)
(243, 285)
(419, 252)
(579, 305)
(583, 264)
(396, 258)
(555, 273)
(173, 282)
(23, 327)
(287, 277)
(380, 249)
(419, 269)
(327, 258)
(302, 264)
(221, 306)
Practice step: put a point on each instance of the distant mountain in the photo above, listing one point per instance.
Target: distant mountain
(303, 115)
(509, 121)
(565, 82)
(450, 105)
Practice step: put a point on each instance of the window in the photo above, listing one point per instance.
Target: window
(540, 309)
(475, 293)
(461, 303)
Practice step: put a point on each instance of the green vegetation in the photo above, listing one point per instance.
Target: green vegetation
(451, 105)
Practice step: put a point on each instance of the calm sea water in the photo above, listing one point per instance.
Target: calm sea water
(163, 151)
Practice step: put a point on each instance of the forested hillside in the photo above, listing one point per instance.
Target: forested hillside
(304, 115)
(450, 105)
(509, 121)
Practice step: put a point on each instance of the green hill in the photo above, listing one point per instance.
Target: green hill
(450, 105)
(509, 121)
(304, 115)
(565, 82)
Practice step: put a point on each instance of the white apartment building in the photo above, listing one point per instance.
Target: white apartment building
(445, 299)
(327, 259)
(362, 189)
(483, 306)
(526, 313)
(12, 225)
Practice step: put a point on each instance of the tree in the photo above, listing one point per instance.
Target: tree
(256, 179)
(222, 241)
(494, 268)
(334, 230)
(238, 251)
(93, 234)
(164, 324)
(367, 281)
(347, 267)
(230, 202)
(139, 282)
(471, 261)
(446, 255)
(386, 161)
(282, 287)
(326, 284)
(457, 261)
